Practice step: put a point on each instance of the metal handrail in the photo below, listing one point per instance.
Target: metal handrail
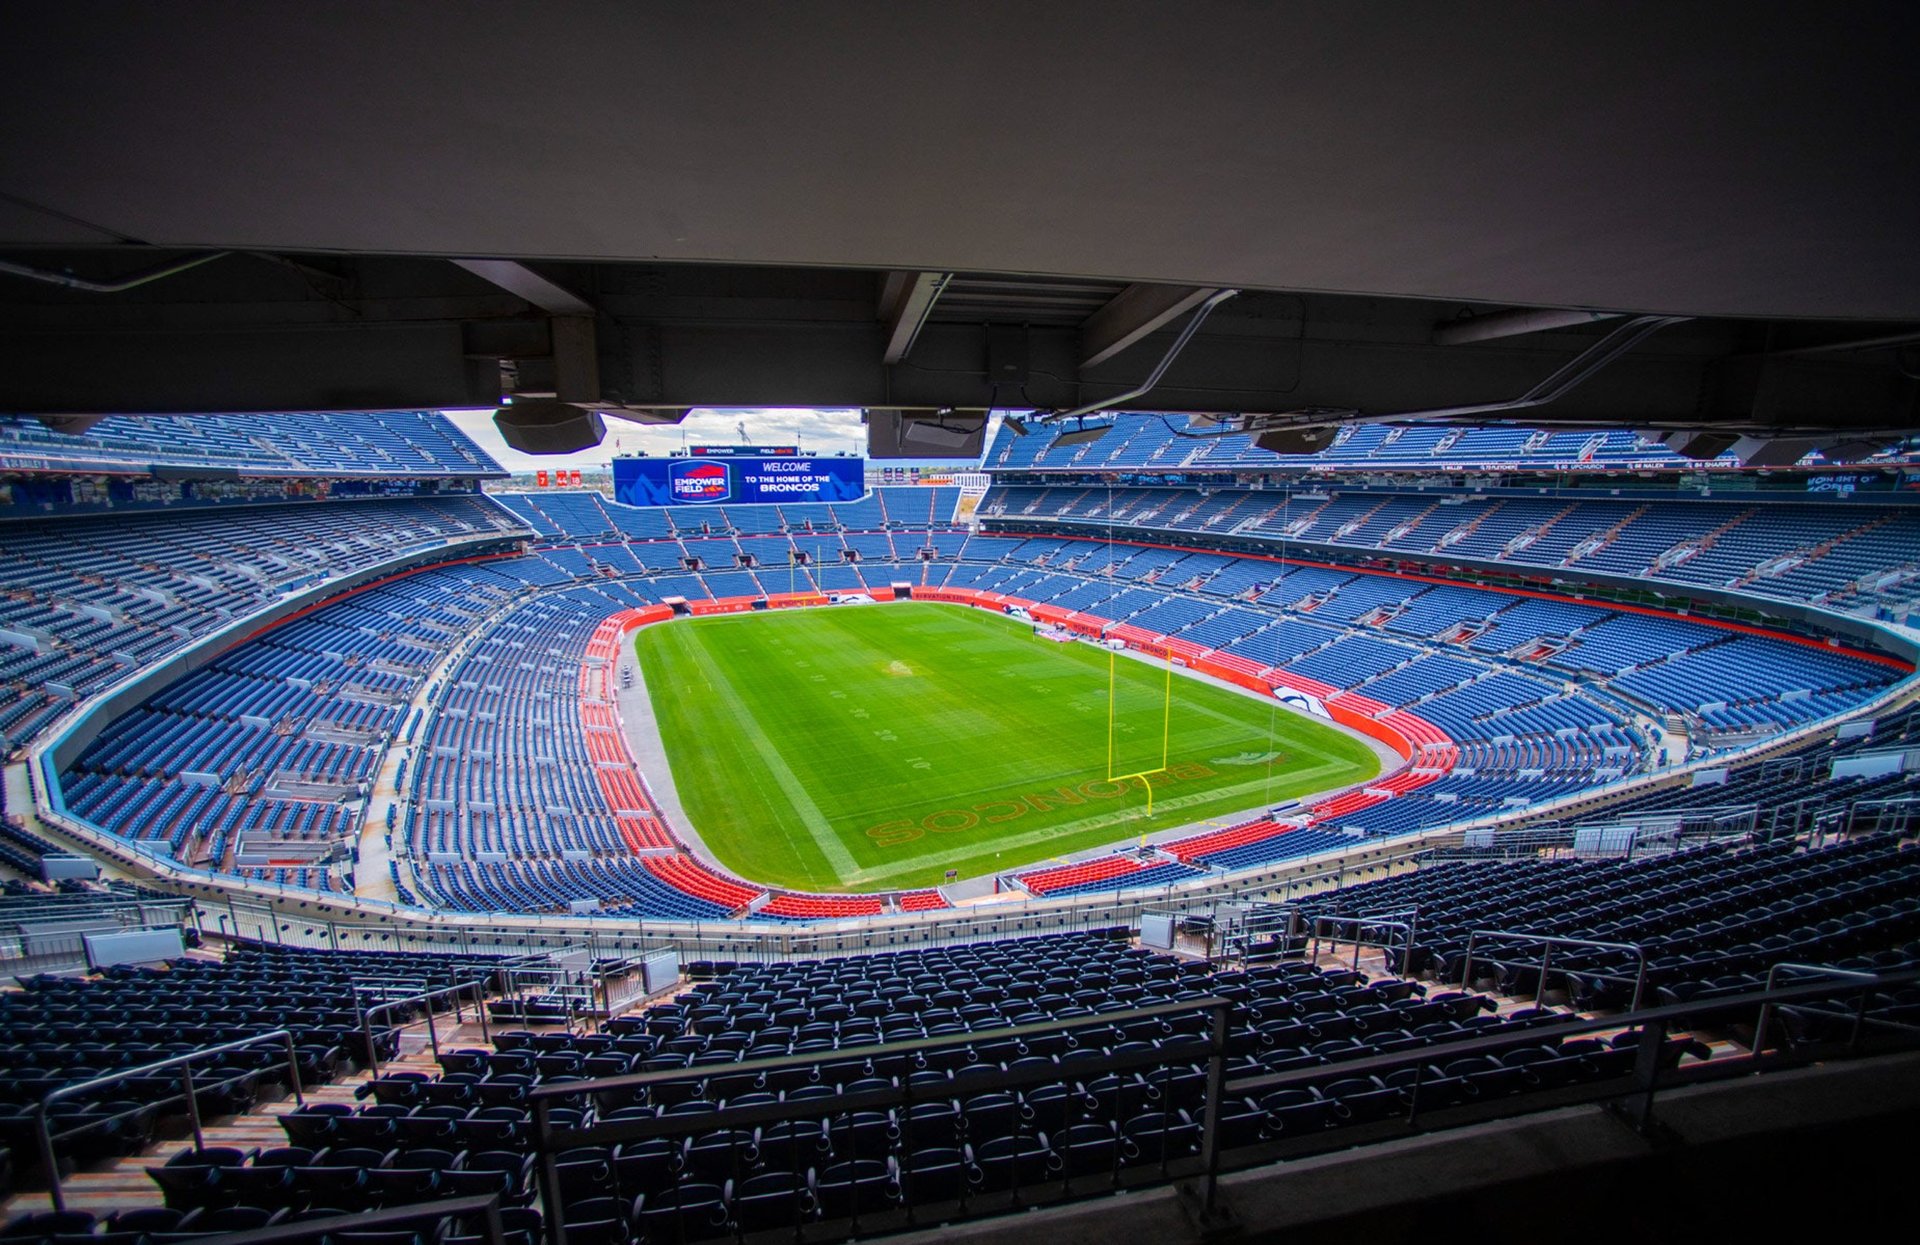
(1478, 1044)
(486, 1204)
(1904, 804)
(88, 908)
(1548, 942)
(427, 997)
(1642, 1083)
(808, 1059)
(1817, 970)
(549, 1142)
(1270, 921)
(1192, 326)
(518, 978)
(1360, 925)
(185, 1064)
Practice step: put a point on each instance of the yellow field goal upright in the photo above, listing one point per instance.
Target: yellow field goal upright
(1166, 723)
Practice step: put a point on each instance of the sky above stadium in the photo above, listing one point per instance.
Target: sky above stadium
(815, 431)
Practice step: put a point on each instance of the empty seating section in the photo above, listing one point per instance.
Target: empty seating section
(1283, 845)
(1312, 638)
(414, 1136)
(614, 885)
(1621, 642)
(84, 603)
(695, 879)
(1068, 879)
(309, 443)
(795, 548)
(20, 850)
(1711, 921)
(1154, 444)
(1351, 659)
(1219, 840)
(520, 796)
(1699, 913)
(1833, 553)
(1283, 641)
(509, 775)
(820, 907)
(1742, 684)
(264, 757)
(1070, 1120)
(1411, 682)
(1531, 623)
(1507, 770)
(64, 1030)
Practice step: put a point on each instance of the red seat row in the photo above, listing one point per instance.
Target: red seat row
(1220, 840)
(1041, 881)
(689, 875)
(823, 905)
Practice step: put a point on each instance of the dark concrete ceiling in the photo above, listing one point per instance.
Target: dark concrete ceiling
(1741, 158)
(961, 205)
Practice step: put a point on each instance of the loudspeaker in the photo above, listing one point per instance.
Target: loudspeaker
(1698, 443)
(1771, 451)
(1081, 435)
(1296, 440)
(892, 433)
(543, 426)
(1853, 450)
(936, 436)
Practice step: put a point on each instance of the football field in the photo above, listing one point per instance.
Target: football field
(875, 747)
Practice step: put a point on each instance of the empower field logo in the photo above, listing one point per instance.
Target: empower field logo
(699, 481)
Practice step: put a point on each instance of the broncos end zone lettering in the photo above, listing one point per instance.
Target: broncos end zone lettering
(740, 481)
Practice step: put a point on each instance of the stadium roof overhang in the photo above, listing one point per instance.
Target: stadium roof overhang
(928, 207)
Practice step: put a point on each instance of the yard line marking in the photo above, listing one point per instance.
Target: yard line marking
(783, 776)
(894, 868)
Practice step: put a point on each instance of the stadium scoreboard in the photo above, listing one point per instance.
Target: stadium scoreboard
(741, 480)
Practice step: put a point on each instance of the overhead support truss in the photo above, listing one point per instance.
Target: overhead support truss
(1131, 315)
(906, 300)
(1516, 323)
(572, 371)
(317, 332)
(518, 279)
(1205, 305)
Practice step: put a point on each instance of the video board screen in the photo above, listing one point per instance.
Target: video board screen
(736, 481)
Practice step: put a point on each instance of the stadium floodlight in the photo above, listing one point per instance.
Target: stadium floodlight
(1015, 425)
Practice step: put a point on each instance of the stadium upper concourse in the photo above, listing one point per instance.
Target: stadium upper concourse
(1518, 401)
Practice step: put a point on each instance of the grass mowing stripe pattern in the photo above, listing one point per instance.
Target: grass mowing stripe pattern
(876, 747)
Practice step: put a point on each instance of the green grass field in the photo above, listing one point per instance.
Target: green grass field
(875, 747)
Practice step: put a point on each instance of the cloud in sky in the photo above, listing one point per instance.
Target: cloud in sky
(815, 431)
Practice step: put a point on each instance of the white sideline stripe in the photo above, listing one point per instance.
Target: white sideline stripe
(789, 783)
(892, 867)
